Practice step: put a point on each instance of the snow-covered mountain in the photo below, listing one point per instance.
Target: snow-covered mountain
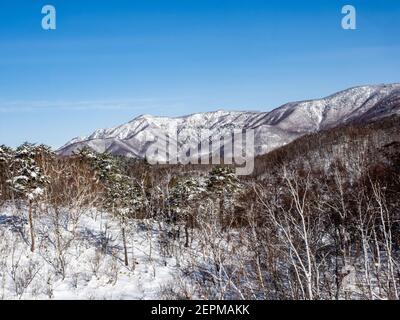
(272, 129)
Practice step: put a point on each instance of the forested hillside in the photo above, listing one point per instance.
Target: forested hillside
(318, 219)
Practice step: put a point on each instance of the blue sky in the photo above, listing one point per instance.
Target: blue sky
(109, 61)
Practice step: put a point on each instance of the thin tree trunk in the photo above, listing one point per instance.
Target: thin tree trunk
(31, 227)
(187, 234)
(221, 211)
(125, 249)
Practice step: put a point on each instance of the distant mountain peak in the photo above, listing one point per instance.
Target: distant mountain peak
(272, 129)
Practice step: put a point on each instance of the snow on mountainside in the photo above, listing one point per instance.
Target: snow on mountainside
(272, 129)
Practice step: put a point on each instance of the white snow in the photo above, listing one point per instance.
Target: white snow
(91, 248)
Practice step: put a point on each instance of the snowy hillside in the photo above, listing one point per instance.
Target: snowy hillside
(81, 259)
(272, 129)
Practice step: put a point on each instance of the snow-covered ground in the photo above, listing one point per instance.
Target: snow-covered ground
(84, 260)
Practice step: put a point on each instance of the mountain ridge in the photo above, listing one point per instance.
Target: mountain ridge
(272, 128)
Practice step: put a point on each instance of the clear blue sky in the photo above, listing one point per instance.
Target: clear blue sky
(109, 61)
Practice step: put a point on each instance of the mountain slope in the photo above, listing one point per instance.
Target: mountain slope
(272, 129)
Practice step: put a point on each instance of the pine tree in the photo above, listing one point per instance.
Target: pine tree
(103, 164)
(27, 179)
(6, 155)
(44, 153)
(184, 194)
(222, 181)
(123, 197)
